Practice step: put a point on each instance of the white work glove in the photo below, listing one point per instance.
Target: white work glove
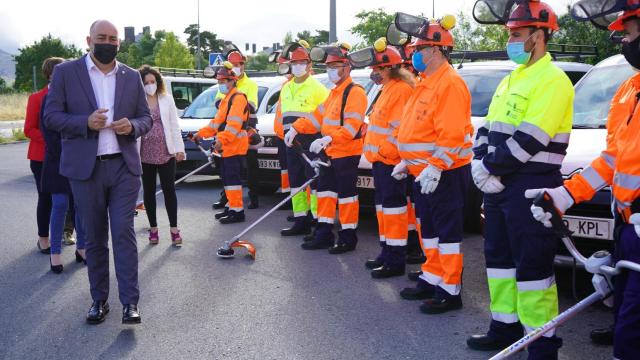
(562, 200)
(429, 179)
(487, 183)
(635, 221)
(290, 136)
(400, 171)
(319, 144)
(492, 185)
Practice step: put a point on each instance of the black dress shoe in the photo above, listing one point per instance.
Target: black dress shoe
(438, 305)
(416, 258)
(232, 218)
(291, 218)
(80, 259)
(485, 342)
(219, 204)
(221, 214)
(44, 251)
(341, 249)
(602, 336)
(98, 312)
(299, 227)
(373, 264)
(56, 269)
(316, 245)
(417, 293)
(384, 272)
(414, 275)
(130, 314)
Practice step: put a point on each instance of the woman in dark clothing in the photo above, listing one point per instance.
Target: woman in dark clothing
(58, 186)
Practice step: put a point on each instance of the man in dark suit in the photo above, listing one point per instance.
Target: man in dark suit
(99, 107)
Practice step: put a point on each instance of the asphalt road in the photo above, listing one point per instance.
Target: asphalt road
(288, 304)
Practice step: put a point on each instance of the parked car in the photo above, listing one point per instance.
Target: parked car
(199, 113)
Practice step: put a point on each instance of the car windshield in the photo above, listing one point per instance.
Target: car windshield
(204, 106)
(482, 85)
(594, 94)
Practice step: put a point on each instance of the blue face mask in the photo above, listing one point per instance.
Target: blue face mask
(223, 88)
(418, 61)
(517, 53)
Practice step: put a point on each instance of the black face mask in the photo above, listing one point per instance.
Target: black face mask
(631, 52)
(376, 77)
(105, 53)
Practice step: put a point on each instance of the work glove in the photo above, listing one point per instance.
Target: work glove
(400, 171)
(635, 221)
(487, 183)
(429, 179)
(290, 136)
(492, 185)
(562, 200)
(319, 144)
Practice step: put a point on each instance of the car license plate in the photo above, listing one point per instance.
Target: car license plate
(592, 228)
(365, 182)
(269, 164)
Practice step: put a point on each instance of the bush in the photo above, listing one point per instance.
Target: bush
(13, 106)
(18, 135)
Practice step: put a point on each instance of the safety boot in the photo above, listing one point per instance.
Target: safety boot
(233, 217)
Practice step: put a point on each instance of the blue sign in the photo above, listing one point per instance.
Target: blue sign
(216, 59)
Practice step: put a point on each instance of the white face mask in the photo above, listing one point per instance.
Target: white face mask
(334, 77)
(150, 89)
(237, 71)
(299, 70)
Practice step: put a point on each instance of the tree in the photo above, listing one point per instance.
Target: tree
(288, 38)
(4, 88)
(321, 37)
(209, 43)
(372, 25)
(573, 32)
(34, 55)
(260, 62)
(173, 54)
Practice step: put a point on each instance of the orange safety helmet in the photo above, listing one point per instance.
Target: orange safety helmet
(226, 72)
(618, 24)
(534, 13)
(299, 54)
(436, 33)
(236, 57)
(338, 53)
(386, 55)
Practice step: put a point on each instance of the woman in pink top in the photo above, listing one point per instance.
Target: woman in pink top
(160, 149)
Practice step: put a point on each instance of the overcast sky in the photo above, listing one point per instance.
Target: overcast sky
(254, 21)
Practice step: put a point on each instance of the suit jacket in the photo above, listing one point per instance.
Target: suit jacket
(32, 125)
(70, 102)
(51, 181)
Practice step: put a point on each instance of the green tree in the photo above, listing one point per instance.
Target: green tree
(209, 43)
(172, 53)
(573, 32)
(321, 37)
(260, 62)
(4, 88)
(288, 38)
(372, 25)
(34, 55)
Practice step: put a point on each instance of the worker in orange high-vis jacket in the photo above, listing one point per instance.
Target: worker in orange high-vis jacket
(617, 166)
(434, 142)
(229, 127)
(342, 118)
(380, 149)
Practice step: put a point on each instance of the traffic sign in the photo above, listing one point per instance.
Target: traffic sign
(216, 59)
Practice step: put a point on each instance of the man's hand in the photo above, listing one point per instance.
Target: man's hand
(122, 126)
(97, 120)
(290, 136)
(180, 156)
(400, 171)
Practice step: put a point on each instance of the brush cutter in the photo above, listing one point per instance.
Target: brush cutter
(210, 154)
(599, 264)
(226, 251)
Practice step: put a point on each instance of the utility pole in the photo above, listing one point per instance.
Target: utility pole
(199, 52)
(332, 22)
(35, 85)
(433, 6)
